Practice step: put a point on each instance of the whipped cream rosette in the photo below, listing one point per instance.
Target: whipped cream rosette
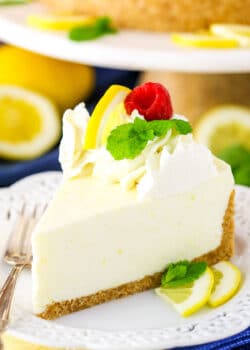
(168, 164)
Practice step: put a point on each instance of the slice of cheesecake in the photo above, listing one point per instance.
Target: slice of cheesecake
(114, 225)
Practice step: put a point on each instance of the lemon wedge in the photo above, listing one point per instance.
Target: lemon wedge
(30, 123)
(240, 33)
(54, 22)
(203, 40)
(189, 298)
(108, 113)
(227, 278)
(224, 126)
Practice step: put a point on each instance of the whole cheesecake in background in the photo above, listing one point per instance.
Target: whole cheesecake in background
(159, 15)
(137, 194)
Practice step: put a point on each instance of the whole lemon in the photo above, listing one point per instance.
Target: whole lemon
(65, 83)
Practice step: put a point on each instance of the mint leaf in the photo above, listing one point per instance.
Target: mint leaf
(174, 271)
(101, 27)
(182, 273)
(105, 25)
(182, 126)
(124, 142)
(85, 33)
(127, 141)
(161, 127)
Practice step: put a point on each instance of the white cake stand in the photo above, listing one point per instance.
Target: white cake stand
(133, 50)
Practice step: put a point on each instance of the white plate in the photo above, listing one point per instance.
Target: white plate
(140, 322)
(127, 50)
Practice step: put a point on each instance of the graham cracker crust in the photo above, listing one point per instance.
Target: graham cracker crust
(159, 15)
(223, 252)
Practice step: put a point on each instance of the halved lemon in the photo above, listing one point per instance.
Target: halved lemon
(56, 22)
(223, 126)
(30, 123)
(203, 40)
(189, 298)
(108, 113)
(240, 33)
(227, 278)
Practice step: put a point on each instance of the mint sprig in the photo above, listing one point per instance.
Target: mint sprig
(127, 141)
(182, 273)
(102, 26)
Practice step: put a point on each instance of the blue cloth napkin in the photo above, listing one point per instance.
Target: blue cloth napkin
(10, 172)
(240, 341)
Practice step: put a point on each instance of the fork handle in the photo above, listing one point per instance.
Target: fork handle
(6, 296)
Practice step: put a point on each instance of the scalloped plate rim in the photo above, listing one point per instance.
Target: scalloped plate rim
(24, 335)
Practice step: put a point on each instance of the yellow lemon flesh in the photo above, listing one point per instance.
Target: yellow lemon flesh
(117, 117)
(56, 22)
(30, 123)
(64, 83)
(227, 279)
(224, 126)
(203, 41)
(189, 298)
(107, 114)
(240, 33)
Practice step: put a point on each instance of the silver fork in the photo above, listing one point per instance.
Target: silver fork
(19, 255)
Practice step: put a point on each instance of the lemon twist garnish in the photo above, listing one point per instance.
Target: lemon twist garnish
(107, 114)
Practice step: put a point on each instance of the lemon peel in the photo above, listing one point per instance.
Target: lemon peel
(56, 22)
(240, 33)
(189, 298)
(227, 280)
(30, 123)
(104, 117)
(203, 40)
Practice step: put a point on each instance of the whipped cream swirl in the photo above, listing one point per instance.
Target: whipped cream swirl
(168, 165)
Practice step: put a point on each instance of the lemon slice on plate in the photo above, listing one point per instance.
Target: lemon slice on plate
(224, 126)
(30, 123)
(227, 278)
(240, 33)
(203, 40)
(108, 113)
(54, 22)
(189, 298)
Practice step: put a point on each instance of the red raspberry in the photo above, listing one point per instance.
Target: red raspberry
(152, 100)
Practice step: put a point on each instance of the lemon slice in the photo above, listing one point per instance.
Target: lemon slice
(203, 40)
(224, 126)
(108, 113)
(30, 124)
(53, 22)
(227, 278)
(191, 297)
(240, 33)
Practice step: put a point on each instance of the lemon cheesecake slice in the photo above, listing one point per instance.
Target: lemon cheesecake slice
(139, 196)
